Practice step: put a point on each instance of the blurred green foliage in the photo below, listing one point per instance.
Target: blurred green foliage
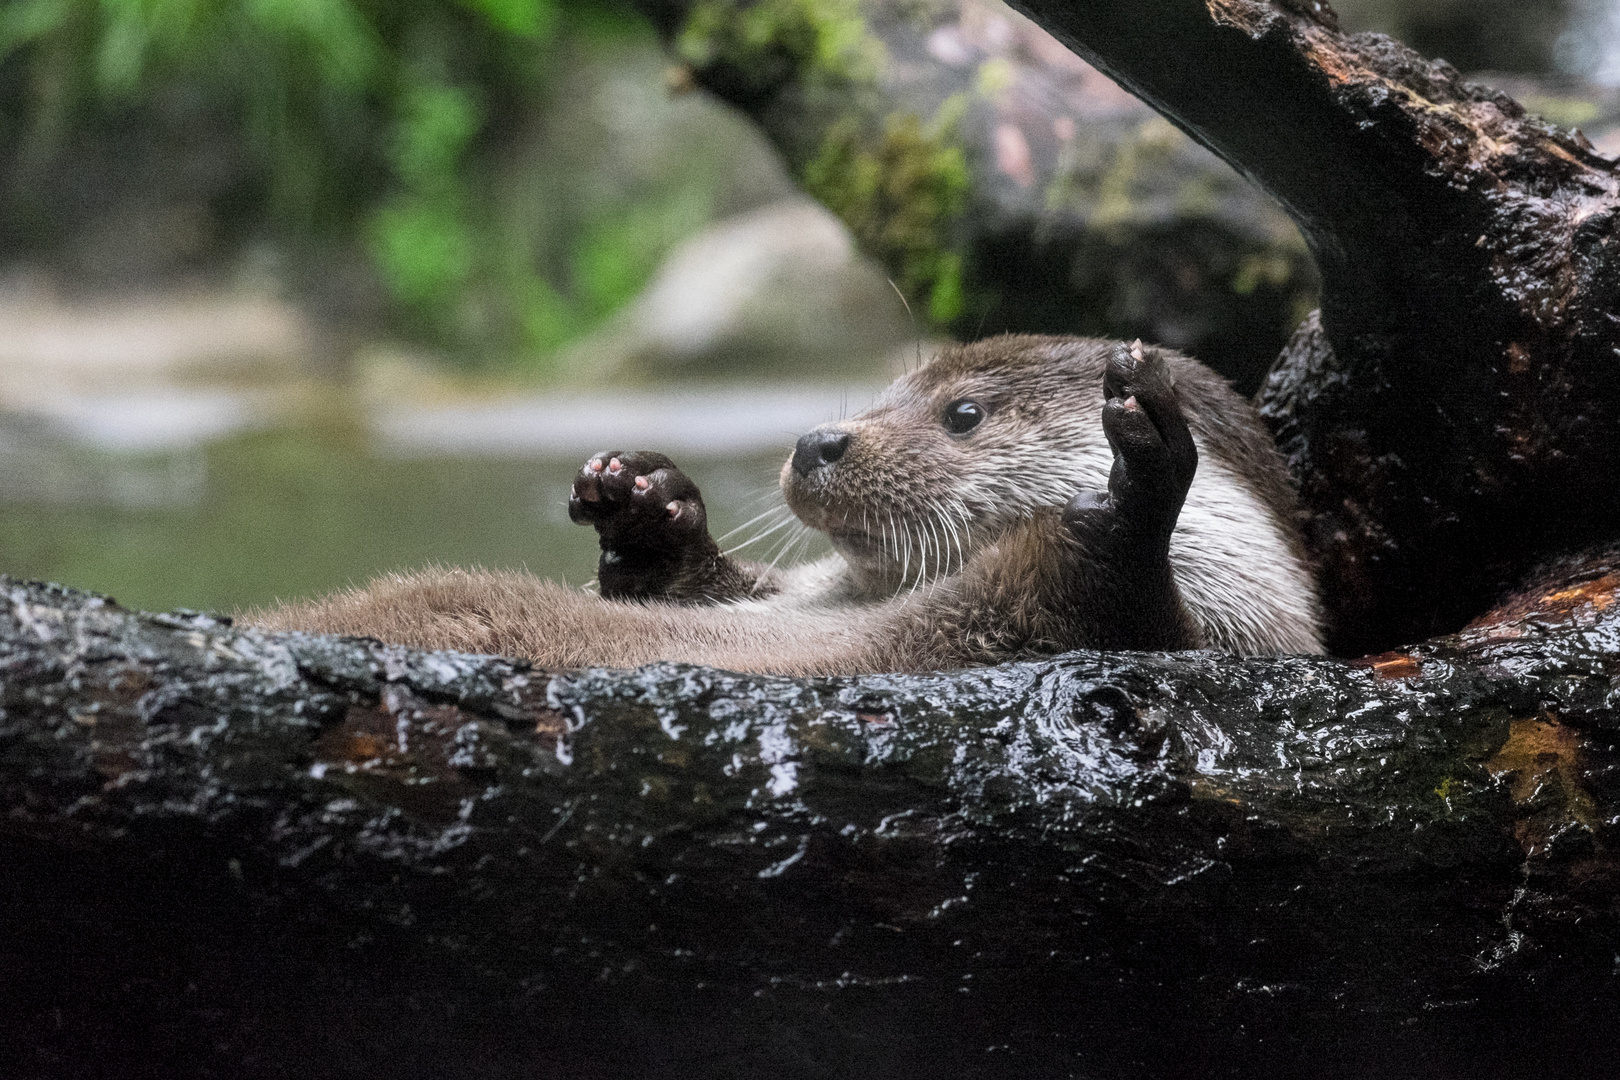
(774, 41)
(386, 125)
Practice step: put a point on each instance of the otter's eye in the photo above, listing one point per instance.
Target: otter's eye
(963, 416)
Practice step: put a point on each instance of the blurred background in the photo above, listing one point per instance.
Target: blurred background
(294, 292)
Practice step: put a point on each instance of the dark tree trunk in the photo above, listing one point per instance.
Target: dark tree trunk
(233, 853)
(1452, 414)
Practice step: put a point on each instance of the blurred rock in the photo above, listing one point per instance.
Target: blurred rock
(688, 420)
(153, 372)
(116, 339)
(779, 289)
(39, 465)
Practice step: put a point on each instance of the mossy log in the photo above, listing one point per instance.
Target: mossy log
(235, 853)
(1003, 182)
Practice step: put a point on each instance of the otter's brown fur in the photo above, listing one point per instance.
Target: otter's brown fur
(953, 551)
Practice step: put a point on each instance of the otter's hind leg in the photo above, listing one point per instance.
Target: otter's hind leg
(654, 531)
(1125, 582)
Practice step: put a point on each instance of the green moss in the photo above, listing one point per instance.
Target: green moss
(1150, 151)
(901, 191)
(770, 42)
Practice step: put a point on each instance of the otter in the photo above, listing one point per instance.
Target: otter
(979, 513)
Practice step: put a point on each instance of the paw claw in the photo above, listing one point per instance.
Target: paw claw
(637, 499)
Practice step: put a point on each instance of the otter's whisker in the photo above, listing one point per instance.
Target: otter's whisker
(956, 516)
(962, 534)
(905, 555)
(778, 527)
(928, 573)
(938, 518)
(914, 541)
(924, 535)
(769, 530)
(805, 536)
(944, 534)
(751, 521)
(942, 552)
(922, 560)
(782, 551)
(936, 544)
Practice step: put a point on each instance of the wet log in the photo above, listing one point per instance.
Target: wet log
(1004, 183)
(234, 853)
(1450, 409)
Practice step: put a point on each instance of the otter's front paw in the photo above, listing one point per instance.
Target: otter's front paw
(649, 518)
(1154, 462)
(637, 499)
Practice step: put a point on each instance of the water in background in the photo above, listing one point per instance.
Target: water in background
(299, 510)
(196, 452)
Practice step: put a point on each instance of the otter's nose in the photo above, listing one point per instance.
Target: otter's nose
(820, 447)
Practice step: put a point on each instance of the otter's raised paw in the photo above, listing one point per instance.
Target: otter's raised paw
(637, 499)
(1154, 462)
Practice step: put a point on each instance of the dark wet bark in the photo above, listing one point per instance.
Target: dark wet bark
(1073, 208)
(233, 853)
(1451, 412)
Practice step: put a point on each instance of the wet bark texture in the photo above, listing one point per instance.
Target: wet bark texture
(235, 853)
(1449, 412)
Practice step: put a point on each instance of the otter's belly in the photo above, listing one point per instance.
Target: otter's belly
(1237, 574)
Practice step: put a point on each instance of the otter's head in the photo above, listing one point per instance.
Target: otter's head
(952, 454)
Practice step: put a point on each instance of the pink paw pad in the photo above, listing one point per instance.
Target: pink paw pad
(642, 483)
